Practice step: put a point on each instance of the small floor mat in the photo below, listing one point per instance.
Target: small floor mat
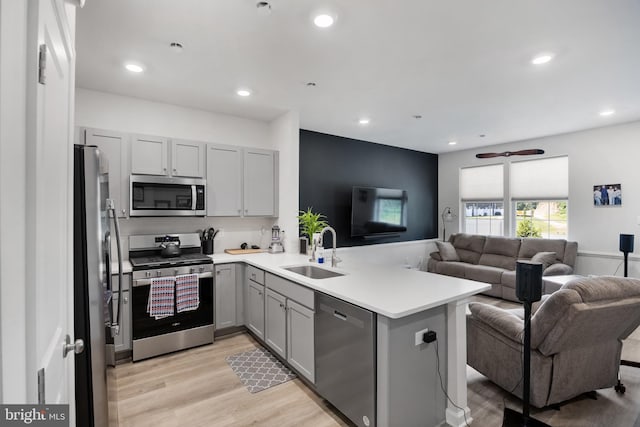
(258, 369)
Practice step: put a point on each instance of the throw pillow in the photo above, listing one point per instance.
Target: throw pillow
(545, 258)
(447, 251)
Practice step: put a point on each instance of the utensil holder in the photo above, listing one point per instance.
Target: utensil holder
(207, 247)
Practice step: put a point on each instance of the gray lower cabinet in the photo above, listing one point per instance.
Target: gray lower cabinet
(122, 341)
(254, 315)
(300, 339)
(289, 325)
(225, 296)
(275, 331)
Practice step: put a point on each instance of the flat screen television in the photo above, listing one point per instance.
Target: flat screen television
(378, 211)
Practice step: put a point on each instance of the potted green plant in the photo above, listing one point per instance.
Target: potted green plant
(311, 223)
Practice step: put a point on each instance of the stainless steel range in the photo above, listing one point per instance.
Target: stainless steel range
(173, 295)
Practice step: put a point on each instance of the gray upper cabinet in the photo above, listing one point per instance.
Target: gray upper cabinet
(241, 181)
(224, 180)
(260, 179)
(225, 285)
(275, 328)
(154, 155)
(187, 158)
(149, 155)
(114, 147)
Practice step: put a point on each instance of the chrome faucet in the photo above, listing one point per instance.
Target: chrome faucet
(334, 258)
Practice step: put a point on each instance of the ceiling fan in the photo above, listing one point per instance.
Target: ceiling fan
(510, 153)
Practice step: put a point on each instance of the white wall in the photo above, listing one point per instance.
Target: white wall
(125, 114)
(13, 72)
(607, 155)
(285, 134)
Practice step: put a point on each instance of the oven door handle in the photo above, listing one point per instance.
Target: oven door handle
(147, 282)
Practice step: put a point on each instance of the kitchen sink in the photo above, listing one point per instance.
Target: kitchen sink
(312, 271)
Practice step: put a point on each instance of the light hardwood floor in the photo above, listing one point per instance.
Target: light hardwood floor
(198, 388)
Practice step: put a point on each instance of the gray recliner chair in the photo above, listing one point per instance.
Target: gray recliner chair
(576, 339)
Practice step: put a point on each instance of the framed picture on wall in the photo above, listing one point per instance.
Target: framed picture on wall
(607, 195)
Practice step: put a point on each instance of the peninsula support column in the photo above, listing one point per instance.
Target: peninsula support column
(457, 408)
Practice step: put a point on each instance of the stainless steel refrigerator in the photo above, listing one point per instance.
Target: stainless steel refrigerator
(93, 306)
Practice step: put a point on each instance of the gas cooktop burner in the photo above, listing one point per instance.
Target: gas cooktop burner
(157, 261)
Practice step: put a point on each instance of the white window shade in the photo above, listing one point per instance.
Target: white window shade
(482, 183)
(544, 179)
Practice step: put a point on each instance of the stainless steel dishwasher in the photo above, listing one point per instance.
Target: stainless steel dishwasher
(346, 358)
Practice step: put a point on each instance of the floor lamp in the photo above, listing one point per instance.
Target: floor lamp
(626, 246)
(447, 216)
(528, 290)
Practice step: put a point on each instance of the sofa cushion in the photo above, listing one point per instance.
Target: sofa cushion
(469, 247)
(544, 258)
(451, 268)
(502, 246)
(483, 273)
(531, 246)
(447, 251)
(499, 261)
(508, 279)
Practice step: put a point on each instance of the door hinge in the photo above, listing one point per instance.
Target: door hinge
(42, 64)
(41, 396)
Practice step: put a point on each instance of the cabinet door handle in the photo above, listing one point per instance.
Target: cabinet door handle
(125, 300)
(339, 315)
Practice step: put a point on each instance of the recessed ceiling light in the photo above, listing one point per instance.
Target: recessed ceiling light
(607, 112)
(542, 59)
(452, 142)
(323, 20)
(364, 121)
(243, 92)
(134, 68)
(176, 47)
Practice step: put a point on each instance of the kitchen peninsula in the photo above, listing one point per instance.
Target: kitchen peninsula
(406, 303)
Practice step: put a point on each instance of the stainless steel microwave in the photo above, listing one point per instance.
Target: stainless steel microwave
(166, 196)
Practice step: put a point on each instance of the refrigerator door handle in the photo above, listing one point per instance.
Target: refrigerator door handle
(111, 207)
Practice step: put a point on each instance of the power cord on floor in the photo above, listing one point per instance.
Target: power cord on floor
(434, 339)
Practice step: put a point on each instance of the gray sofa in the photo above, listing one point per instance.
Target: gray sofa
(576, 339)
(492, 260)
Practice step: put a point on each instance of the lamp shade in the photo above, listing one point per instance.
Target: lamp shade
(626, 243)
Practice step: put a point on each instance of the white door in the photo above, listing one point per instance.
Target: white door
(49, 239)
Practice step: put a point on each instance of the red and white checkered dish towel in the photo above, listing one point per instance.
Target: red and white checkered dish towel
(161, 297)
(187, 292)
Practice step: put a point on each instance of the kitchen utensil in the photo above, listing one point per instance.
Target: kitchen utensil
(170, 247)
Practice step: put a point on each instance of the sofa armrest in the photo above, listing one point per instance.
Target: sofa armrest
(435, 255)
(504, 322)
(558, 269)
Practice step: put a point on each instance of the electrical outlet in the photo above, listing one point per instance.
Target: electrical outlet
(419, 335)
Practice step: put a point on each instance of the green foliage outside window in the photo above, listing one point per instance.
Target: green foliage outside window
(527, 228)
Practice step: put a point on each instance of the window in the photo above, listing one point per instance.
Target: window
(485, 218)
(541, 218)
(481, 192)
(539, 192)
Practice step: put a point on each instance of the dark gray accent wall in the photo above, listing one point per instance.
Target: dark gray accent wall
(331, 165)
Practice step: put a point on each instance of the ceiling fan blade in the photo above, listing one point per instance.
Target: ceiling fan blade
(488, 155)
(527, 152)
(510, 153)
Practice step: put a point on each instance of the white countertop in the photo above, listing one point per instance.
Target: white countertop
(126, 267)
(391, 292)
